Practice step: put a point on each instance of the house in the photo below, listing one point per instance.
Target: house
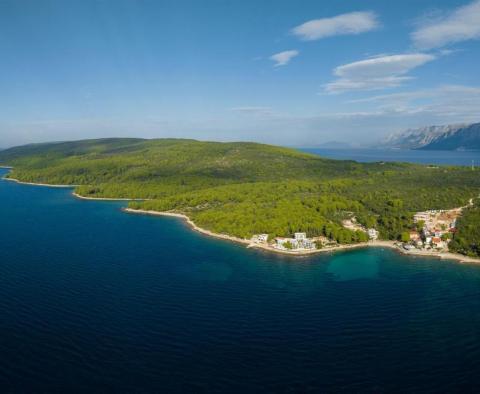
(302, 242)
(414, 236)
(300, 236)
(260, 238)
(281, 243)
(299, 242)
(437, 242)
(421, 216)
(322, 240)
(372, 234)
(309, 244)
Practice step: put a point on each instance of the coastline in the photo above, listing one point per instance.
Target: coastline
(189, 222)
(249, 244)
(76, 195)
(378, 243)
(36, 184)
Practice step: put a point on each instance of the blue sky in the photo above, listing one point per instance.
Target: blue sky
(295, 73)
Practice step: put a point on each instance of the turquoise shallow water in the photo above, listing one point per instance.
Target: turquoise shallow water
(92, 299)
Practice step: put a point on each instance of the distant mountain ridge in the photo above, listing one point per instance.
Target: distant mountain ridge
(447, 137)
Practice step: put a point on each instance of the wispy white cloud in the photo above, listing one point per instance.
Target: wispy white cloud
(351, 23)
(283, 58)
(457, 102)
(376, 73)
(461, 24)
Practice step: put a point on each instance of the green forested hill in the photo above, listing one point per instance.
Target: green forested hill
(135, 160)
(245, 188)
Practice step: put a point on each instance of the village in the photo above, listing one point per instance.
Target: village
(434, 230)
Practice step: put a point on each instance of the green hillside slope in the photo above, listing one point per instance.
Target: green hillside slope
(246, 188)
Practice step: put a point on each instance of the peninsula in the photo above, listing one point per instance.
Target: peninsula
(264, 196)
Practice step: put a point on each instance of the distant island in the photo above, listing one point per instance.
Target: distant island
(448, 137)
(267, 196)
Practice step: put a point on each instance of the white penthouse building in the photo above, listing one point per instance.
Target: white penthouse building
(300, 241)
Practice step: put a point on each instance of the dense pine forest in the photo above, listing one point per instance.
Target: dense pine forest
(467, 238)
(247, 188)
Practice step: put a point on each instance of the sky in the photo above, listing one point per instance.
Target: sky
(296, 73)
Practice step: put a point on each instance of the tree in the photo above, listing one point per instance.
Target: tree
(420, 225)
(405, 237)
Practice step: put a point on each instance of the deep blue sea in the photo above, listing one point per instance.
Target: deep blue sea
(463, 158)
(96, 300)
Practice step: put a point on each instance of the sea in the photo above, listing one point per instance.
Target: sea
(96, 300)
(461, 158)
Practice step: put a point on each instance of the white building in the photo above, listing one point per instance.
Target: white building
(421, 216)
(281, 242)
(309, 244)
(260, 238)
(299, 242)
(372, 234)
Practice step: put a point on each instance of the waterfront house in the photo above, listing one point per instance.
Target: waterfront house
(300, 236)
(372, 234)
(282, 242)
(414, 236)
(260, 238)
(437, 242)
(308, 244)
(300, 242)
